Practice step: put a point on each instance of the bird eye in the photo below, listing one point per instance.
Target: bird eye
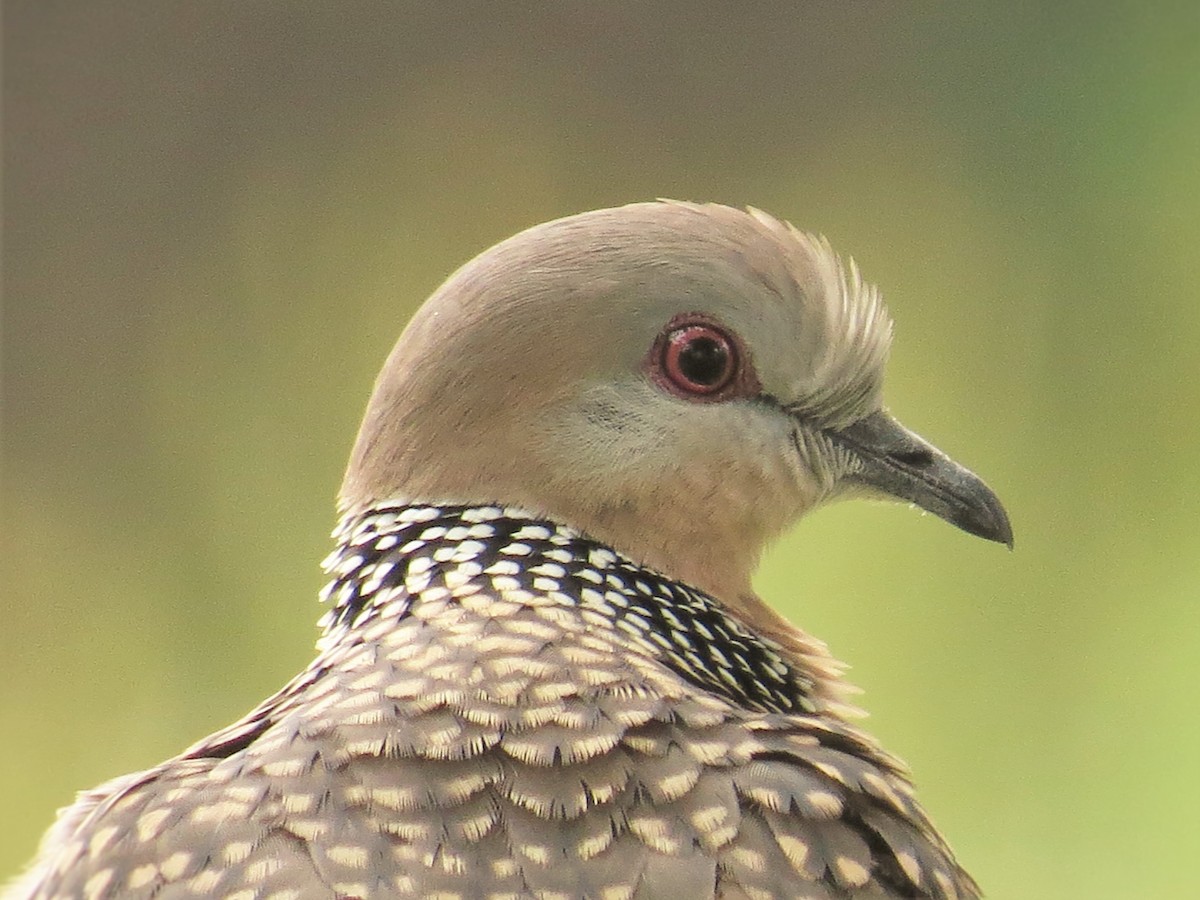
(698, 359)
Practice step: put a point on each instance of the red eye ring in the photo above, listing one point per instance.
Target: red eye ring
(696, 358)
(699, 359)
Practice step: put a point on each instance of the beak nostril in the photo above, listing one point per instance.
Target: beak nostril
(917, 456)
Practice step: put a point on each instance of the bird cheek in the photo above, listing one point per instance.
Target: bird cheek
(818, 465)
(761, 478)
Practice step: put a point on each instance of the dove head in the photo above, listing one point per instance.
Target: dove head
(679, 381)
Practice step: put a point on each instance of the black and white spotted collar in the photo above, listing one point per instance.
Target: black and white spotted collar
(388, 556)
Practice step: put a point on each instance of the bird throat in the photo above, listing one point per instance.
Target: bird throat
(395, 556)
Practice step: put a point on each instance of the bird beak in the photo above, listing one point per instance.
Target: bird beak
(897, 462)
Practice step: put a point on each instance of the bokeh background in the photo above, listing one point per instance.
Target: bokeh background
(218, 216)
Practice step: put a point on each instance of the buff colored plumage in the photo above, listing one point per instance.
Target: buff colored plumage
(544, 672)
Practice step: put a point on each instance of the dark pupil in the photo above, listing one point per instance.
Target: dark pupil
(703, 361)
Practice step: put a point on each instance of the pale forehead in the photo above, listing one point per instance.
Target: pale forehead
(692, 243)
(811, 324)
(667, 253)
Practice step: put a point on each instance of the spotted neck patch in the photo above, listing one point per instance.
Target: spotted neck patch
(392, 556)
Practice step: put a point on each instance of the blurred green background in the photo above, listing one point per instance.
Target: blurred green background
(218, 216)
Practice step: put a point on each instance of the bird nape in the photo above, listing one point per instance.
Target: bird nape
(543, 672)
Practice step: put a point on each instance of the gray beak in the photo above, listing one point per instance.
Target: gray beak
(897, 462)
